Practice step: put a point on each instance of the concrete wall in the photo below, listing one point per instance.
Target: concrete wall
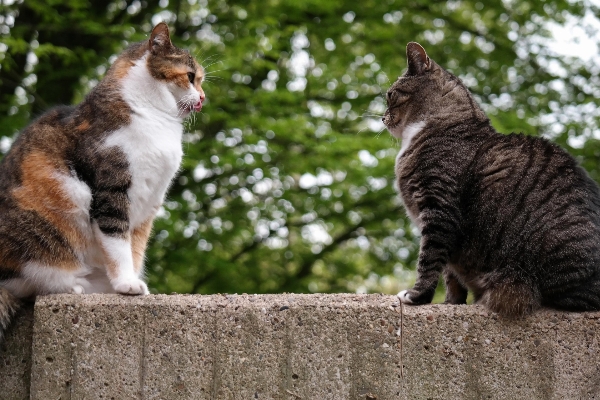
(15, 357)
(293, 347)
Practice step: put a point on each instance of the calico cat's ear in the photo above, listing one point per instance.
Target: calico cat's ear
(418, 62)
(159, 38)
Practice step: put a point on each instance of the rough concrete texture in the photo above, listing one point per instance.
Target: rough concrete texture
(15, 356)
(215, 347)
(304, 347)
(452, 352)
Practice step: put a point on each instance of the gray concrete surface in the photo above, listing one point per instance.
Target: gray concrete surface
(299, 347)
(15, 356)
(215, 347)
(453, 352)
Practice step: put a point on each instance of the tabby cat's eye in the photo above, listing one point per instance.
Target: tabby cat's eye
(396, 97)
(191, 77)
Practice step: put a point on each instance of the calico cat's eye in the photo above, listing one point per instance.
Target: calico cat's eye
(191, 77)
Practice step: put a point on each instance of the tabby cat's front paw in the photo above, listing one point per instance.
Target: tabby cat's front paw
(404, 297)
(131, 286)
(411, 296)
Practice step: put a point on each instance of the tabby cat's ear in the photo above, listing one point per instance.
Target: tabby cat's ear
(418, 62)
(159, 38)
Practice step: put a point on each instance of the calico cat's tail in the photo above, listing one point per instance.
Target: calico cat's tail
(9, 305)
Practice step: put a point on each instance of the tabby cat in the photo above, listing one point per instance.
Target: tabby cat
(512, 218)
(81, 185)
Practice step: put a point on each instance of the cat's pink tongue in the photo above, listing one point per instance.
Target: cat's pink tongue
(198, 106)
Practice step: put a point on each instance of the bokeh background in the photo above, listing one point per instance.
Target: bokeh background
(287, 182)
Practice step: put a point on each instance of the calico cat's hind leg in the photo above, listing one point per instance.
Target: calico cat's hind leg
(37, 279)
(456, 293)
(511, 298)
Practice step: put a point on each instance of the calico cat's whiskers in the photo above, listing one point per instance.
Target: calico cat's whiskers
(205, 60)
(207, 66)
(189, 122)
(184, 105)
(212, 79)
(211, 76)
(207, 63)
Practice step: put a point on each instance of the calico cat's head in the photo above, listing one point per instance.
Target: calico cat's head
(425, 92)
(156, 74)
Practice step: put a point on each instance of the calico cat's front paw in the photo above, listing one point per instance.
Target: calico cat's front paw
(77, 289)
(411, 296)
(131, 286)
(80, 286)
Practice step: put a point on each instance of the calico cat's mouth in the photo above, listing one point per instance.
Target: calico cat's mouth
(194, 107)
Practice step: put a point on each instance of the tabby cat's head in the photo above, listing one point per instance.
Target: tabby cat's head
(426, 91)
(155, 73)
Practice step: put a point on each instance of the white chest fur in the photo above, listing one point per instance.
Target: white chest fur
(152, 141)
(408, 134)
(154, 151)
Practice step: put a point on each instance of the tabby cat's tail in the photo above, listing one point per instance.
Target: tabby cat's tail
(9, 305)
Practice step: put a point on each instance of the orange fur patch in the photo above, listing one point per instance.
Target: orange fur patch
(178, 76)
(121, 67)
(139, 240)
(83, 126)
(43, 193)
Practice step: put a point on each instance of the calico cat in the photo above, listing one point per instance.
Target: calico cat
(81, 185)
(512, 218)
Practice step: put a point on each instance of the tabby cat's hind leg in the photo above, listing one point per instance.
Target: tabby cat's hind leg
(585, 298)
(456, 293)
(511, 298)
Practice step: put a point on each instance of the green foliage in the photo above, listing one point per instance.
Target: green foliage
(287, 183)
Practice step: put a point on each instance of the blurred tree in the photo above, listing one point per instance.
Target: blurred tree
(287, 183)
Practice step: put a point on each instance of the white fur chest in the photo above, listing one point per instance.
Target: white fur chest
(408, 134)
(153, 148)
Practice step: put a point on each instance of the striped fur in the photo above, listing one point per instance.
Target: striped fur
(81, 185)
(512, 218)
